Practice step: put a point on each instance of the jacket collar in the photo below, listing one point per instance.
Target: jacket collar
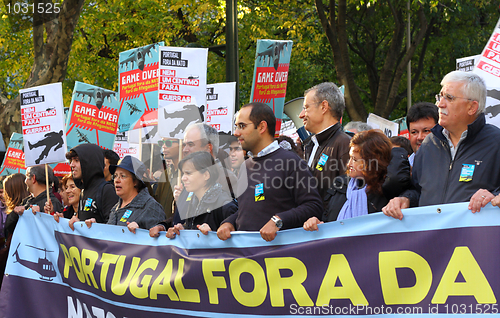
(324, 135)
(472, 129)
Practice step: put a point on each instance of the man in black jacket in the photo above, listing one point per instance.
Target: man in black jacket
(97, 196)
(327, 151)
(458, 161)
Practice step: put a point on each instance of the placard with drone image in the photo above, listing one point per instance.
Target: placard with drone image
(272, 60)
(92, 117)
(488, 68)
(220, 110)
(182, 89)
(42, 117)
(138, 87)
(13, 162)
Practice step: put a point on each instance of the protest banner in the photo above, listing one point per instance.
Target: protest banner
(388, 127)
(138, 87)
(94, 118)
(437, 260)
(270, 75)
(42, 117)
(403, 127)
(182, 89)
(220, 110)
(13, 162)
(488, 68)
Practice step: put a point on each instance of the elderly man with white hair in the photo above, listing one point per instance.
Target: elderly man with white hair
(458, 161)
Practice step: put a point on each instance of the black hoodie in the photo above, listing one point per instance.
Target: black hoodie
(92, 203)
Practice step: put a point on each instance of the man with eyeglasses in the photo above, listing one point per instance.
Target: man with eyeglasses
(327, 150)
(458, 161)
(278, 194)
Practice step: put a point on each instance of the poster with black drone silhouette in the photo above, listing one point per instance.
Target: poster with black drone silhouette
(13, 162)
(138, 87)
(93, 116)
(488, 68)
(42, 117)
(270, 76)
(182, 89)
(220, 110)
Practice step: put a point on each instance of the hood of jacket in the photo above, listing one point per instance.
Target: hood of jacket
(91, 163)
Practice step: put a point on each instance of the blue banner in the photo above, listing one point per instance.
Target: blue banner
(437, 260)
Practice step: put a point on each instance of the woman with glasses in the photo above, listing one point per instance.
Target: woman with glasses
(136, 208)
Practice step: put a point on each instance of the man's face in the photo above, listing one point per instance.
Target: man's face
(107, 175)
(454, 115)
(419, 130)
(245, 131)
(29, 180)
(193, 142)
(170, 148)
(311, 113)
(76, 169)
(236, 155)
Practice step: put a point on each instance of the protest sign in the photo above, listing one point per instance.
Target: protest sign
(182, 89)
(488, 68)
(123, 147)
(138, 87)
(439, 263)
(272, 60)
(467, 64)
(388, 127)
(220, 110)
(93, 116)
(13, 162)
(42, 117)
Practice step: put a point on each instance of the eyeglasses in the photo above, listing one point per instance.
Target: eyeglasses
(448, 97)
(168, 143)
(120, 176)
(241, 126)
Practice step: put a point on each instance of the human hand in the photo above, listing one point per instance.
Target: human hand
(48, 207)
(177, 191)
(58, 215)
(496, 201)
(155, 230)
(174, 230)
(89, 222)
(394, 207)
(204, 228)
(72, 221)
(19, 210)
(479, 200)
(269, 231)
(312, 224)
(132, 226)
(224, 231)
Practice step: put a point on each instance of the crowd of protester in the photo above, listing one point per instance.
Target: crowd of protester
(266, 184)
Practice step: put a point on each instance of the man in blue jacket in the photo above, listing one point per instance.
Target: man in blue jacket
(458, 161)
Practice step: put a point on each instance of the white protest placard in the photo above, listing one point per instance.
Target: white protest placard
(42, 117)
(144, 135)
(467, 64)
(388, 127)
(489, 69)
(182, 89)
(220, 106)
(123, 148)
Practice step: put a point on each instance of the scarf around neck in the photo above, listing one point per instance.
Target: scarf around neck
(356, 203)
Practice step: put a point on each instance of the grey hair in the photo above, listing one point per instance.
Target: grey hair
(331, 93)
(39, 173)
(358, 125)
(209, 133)
(474, 86)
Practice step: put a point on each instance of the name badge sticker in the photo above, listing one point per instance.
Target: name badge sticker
(126, 215)
(259, 192)
(466, 173)
(321, 162)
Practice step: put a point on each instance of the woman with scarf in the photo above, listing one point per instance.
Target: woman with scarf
(209, 205)
(360, 191)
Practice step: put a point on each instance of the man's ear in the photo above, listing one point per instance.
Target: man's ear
(474, 106)
(211, 148)
(262, 127)
(324, 107)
